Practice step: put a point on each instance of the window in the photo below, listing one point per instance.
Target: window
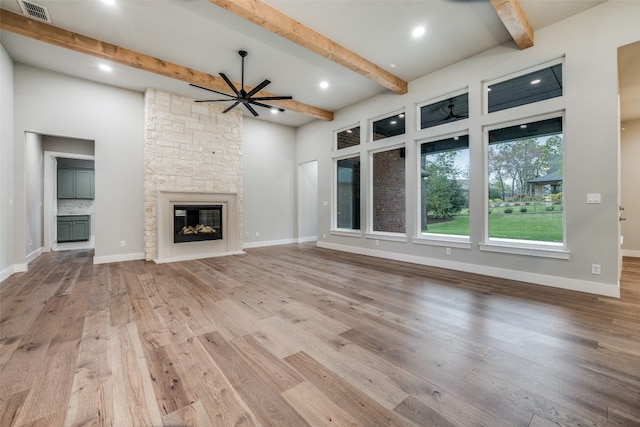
(348, 138)
(388, 127)
(448, 110)
(388, 187)
(525, 177)
(535, 86)
(444, 186)
(348, 193)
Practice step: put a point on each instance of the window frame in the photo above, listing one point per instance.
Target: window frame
(458, 92)
(370, 232)
(335, 230)
(516, 246)
(344, 129)
(516, 74)
(372, 120)
(436, 239)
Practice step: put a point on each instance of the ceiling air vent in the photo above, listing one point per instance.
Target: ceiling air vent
(34, 11)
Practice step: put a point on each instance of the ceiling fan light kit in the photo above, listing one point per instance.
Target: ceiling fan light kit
(242, 96)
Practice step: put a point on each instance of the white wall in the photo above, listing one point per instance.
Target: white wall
(308, 201)
(269, 183)
(53, 104)
(589, 42)
(630, 176)
(34, 167)
(6, 165)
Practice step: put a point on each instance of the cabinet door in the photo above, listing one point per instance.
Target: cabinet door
(84, 184)
(80, 230)
(64, 231)
(66, 184)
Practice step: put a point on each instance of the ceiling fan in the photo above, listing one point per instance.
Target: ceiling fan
(450, 114)
(243, 97)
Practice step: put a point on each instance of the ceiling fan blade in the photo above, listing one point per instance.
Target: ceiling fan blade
(271, 98)
(213, 100)
(226, 79)
(260, 104)
(250, 108)
(258, 88)
(231, 107)
(211, 90)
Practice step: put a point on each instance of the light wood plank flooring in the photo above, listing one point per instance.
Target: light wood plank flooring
(296, 335)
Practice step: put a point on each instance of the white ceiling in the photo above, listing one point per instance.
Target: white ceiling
(205, 37)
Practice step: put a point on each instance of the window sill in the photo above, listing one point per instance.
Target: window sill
(521, 247)
(346, 233)
(449, 240)
(392, 237)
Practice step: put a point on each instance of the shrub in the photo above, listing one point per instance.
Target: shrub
(548, 208)
(523, 209)
(508, 210)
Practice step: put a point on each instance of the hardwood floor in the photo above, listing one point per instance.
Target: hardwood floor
(297, 335)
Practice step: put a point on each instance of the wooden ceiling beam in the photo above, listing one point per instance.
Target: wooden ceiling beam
(47, 33)
(277, 22)
(516, 22)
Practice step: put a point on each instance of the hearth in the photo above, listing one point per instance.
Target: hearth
(197, 223)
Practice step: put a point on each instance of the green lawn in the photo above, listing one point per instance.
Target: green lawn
(545, 226)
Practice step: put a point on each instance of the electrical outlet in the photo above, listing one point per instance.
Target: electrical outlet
(447, 251)
(595, 268)
(123, 243)
(377, 242)
(257, 234)
(246, 234)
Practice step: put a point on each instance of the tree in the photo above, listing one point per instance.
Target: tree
(445, 196)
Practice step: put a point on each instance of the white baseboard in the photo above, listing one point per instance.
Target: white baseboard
(307, 239)
(118, 258)
(7, 272)
(522, 276)
(33, 255)
(631, 253)
(249, 245)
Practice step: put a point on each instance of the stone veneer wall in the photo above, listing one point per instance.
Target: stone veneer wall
(190, 147)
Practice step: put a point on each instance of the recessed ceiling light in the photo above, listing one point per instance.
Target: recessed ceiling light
(392, 65)
(105, 67)
(535, 82)
(324, 84)
(418, 31)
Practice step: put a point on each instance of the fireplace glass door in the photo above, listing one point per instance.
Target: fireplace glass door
(197, 223)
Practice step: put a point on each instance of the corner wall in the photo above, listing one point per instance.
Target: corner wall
(630, 177)
(7, 258)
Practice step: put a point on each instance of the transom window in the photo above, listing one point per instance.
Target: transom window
(528, 88)
(447, 110)
(388, 127)
(348, 138)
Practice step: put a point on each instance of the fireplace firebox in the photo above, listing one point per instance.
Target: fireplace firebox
(196, 223)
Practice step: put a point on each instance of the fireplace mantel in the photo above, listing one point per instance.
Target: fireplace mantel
(168, 251)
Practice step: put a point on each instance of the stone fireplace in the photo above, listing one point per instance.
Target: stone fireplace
(193, 179)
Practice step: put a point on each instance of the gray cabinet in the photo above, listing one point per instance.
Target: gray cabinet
(73, 228)
(75, 183)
